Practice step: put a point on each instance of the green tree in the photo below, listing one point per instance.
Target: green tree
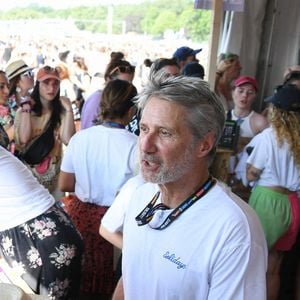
(149, 17)
(165, 20)
(196, 23)
(132, 15)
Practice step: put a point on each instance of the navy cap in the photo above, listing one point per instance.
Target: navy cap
(183, 53)
(193, 69)
(286, 97)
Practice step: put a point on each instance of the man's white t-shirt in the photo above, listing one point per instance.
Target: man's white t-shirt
(22, 198)
(102, 159)
(215, 250)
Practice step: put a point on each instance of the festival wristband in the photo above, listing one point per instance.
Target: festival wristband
(24, 100)
(26, 110)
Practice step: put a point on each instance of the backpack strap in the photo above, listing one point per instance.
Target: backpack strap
(229, 115)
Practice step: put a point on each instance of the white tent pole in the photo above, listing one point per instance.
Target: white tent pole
(217, 11)
(224, 36)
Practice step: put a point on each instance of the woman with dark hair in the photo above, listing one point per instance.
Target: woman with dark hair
(168, 65)
(116, 69)
(21, 81)
(118, 55)
(119, 69)
(6, 119)
(96, 163)
(83, 80)
(274, 166)
(42, 128)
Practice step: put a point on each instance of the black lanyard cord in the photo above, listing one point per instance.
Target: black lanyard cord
(146, 215)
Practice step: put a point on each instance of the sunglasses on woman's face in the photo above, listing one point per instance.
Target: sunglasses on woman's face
(123, 69)
(50, 70)
(28, 73)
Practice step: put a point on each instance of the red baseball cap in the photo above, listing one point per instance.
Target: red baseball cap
(246, 79)
(47, 73)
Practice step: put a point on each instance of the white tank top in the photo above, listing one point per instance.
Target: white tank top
(245, 127)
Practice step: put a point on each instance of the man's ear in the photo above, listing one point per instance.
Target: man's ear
(206, 144)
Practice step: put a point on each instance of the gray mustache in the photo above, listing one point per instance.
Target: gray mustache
(150, 158)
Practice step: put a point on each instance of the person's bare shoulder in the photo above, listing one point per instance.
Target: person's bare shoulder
(258, 122)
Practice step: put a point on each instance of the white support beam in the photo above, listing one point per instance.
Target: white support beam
(217, 16)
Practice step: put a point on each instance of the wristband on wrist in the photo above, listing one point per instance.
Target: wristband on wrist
(26, 110)
(24, 100)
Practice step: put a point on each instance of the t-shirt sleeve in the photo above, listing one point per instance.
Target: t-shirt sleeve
(113, 219)
(67, 161)
(234, 277)
(238, 272)
(259, 154)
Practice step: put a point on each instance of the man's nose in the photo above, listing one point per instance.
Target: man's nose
(147, 142)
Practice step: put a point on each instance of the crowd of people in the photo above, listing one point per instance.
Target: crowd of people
(130, 167)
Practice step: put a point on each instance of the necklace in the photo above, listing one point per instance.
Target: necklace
(112, 124)
(146, 215)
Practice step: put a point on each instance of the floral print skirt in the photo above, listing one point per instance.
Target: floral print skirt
(46, 252)
(97, 270)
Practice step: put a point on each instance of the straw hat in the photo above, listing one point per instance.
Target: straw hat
(15, 68)
(13, 292)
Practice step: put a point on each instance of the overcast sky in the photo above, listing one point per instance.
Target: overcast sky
(60, 3)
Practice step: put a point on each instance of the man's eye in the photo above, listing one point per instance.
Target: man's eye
(165, 133)
(143, 129)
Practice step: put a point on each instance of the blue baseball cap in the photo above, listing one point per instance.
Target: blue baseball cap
(286, 97)
(193, 69)
(183, 53)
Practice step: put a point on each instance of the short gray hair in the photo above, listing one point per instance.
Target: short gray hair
(205, 112)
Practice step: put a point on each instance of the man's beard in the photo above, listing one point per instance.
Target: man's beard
(174, 172)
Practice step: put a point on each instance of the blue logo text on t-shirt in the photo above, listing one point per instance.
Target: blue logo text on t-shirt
(176, 260)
